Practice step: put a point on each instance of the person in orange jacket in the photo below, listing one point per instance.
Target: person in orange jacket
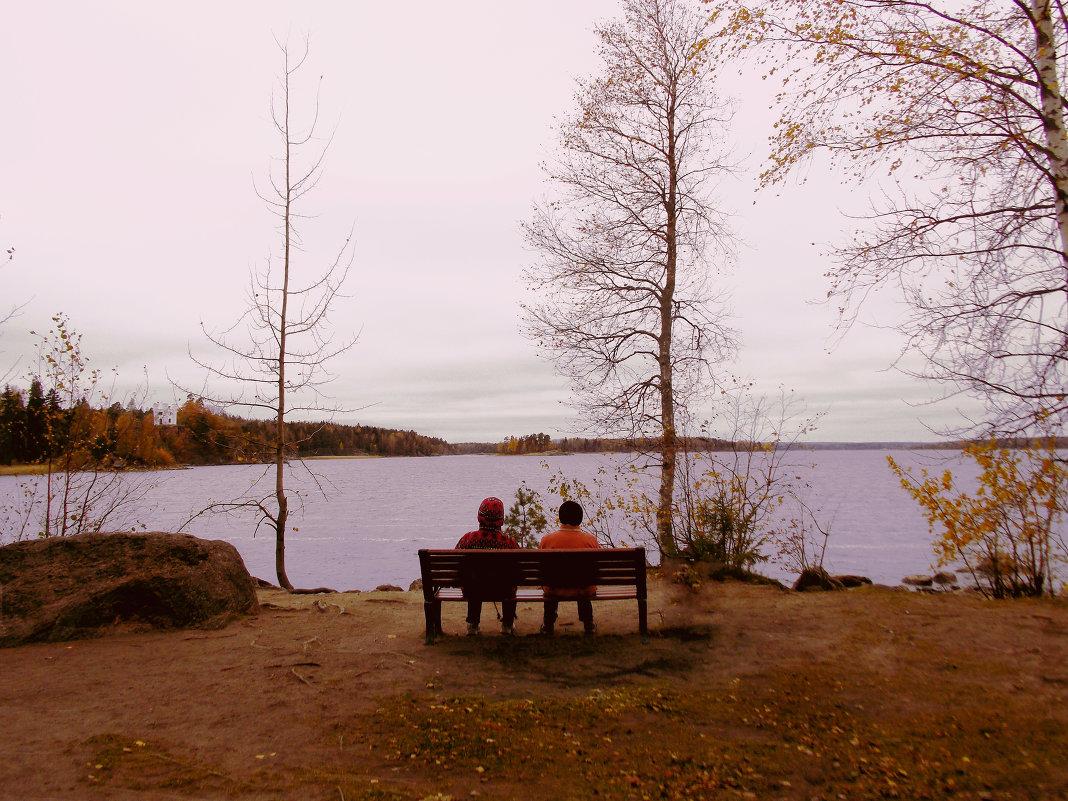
(569, 535)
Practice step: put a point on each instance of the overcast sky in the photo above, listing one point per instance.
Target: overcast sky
(131, 135)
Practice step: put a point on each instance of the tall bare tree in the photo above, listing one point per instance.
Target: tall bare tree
(277, 352)
(624, 306)
(963, 105)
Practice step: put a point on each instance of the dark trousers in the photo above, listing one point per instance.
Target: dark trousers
(585, 612)
(474, 612)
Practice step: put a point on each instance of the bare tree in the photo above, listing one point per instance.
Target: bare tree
(748, 493)
(623, 303)
(963, 106)
(277, 352)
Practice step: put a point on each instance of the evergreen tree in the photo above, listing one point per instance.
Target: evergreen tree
(12, 426)
(526, 517)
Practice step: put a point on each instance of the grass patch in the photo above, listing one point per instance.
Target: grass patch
(23, 469)
(134, 764)
(801, 739)
(784, 735)
(796, 738)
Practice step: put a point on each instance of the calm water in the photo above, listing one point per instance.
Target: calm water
(379, 512)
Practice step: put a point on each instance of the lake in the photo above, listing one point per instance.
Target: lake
(377, 513)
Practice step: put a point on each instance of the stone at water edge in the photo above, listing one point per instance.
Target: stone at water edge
(918, 581)
(64, 588)
(816, 578)
(849, 582)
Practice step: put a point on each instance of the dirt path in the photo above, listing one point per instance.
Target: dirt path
(337, 697)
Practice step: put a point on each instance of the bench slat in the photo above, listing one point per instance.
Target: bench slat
(532, 595)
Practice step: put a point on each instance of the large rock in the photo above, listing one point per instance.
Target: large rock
(852, 582)
(917, 580)
(816, 578)
(945, 579)
(69, 587)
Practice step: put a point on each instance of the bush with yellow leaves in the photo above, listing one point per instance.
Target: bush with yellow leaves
(1006, 534)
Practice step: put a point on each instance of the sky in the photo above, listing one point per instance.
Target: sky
(133, 137)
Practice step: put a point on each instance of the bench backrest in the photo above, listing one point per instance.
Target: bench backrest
(494, 571)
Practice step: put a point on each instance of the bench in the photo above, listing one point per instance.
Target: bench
(618, 574)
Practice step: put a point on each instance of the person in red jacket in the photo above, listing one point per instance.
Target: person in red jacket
(569, 535)
(489, 537)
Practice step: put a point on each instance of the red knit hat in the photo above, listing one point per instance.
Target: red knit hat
(491, 513)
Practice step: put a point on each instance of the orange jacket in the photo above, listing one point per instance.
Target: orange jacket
(570, 537)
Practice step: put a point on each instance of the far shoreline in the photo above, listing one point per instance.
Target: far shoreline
(34, 469)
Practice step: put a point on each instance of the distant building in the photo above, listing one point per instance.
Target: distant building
(165, 414)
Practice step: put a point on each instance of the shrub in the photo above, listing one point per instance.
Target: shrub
(1005, 534)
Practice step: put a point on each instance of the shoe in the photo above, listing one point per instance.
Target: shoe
(472, 629)
(547, 631)
(508, 629)
(591, 629)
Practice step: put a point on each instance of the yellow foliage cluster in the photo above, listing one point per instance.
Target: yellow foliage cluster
(1005, 533)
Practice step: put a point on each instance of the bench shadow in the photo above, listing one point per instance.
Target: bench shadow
(573, 660)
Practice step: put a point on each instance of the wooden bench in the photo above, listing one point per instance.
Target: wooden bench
(618, 574)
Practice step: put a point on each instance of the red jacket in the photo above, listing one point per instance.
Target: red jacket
(487, 539)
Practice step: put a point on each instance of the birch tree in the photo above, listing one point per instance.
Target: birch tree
(624, 305)
(961, 107)
(277, 352)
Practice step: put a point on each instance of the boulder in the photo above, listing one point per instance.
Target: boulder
(850, 582)
(918, 581)
(65, 588)
(816, 578)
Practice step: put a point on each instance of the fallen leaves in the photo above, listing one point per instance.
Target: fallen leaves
(640, 741)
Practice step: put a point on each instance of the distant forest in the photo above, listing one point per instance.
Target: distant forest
(542, 443)
(33, 425)
(36, 426)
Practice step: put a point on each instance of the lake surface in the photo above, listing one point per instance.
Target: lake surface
(378, 513)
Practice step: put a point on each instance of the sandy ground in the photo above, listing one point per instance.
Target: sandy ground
(271, 706)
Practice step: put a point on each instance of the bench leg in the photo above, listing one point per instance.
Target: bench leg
(643, 618)
(433, 625)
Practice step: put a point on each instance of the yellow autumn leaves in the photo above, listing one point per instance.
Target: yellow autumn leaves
(1005, 532)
